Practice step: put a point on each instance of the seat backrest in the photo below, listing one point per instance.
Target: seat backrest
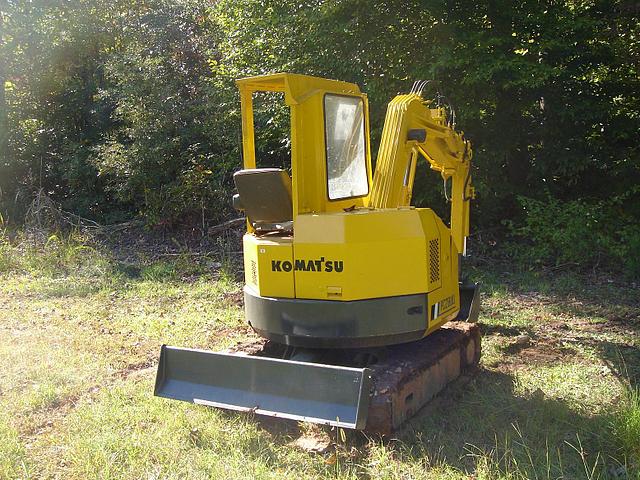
(265, 196)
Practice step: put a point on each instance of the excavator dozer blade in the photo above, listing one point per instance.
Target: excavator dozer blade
(310, 392)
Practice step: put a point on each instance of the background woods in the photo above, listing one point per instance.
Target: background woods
(126, 109)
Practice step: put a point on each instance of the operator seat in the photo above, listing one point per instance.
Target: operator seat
(264, 194)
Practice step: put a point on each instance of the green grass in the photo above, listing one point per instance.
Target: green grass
(13, 458)
(80, 333)
(626, 425)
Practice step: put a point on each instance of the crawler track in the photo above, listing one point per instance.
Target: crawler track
(406, 376)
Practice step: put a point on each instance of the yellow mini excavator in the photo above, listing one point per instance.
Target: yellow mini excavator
(338, 265)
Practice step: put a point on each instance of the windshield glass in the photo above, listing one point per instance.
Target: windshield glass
(346, 163)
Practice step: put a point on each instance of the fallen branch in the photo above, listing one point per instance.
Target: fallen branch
(224, 226)
(117, 227)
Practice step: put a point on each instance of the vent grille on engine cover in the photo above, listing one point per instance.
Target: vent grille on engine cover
(434, 260)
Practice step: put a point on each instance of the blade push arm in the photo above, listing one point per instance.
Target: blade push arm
(412, 129)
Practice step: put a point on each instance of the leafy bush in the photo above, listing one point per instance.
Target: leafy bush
(577, 232)
(629, 249)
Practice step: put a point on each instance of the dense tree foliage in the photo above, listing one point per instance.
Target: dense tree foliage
(129, 108)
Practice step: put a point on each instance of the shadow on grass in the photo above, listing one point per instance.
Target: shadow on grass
(486, 424)
(623, 360)
(577, 294)
(490, 421)
(529, 434)
(600, 306)
(504, 330)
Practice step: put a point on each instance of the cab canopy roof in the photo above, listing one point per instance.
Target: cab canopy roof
(295, 87)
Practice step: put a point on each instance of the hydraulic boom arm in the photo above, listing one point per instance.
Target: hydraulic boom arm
(412, 128)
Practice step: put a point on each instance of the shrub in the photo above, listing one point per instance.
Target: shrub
(577, 232)
(629, 251)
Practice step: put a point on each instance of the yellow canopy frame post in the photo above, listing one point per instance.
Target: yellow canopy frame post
(248, 135)
(305, 97)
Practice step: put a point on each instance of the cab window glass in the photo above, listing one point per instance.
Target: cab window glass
(346, 160)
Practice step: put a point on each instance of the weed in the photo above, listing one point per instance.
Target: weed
(159, 272)
(626, 426)
(54, 256)
(13, 457)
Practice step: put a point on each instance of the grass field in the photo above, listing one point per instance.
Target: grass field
(556, 395)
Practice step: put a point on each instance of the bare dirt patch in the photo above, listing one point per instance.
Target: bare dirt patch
(234, 298)
(541, 351)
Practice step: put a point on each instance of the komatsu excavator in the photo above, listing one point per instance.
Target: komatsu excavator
(338, 264)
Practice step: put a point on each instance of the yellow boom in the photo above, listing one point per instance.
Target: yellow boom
(413, 129)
